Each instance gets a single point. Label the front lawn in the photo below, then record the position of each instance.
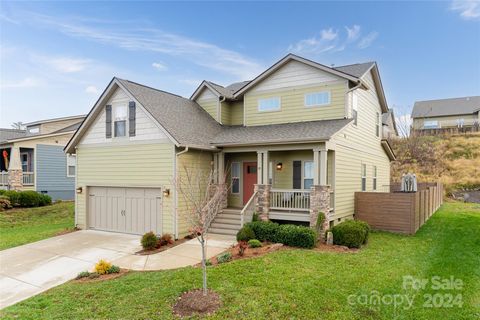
(21, 226)
(300, 284)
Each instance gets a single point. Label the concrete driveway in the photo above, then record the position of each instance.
(30, 269)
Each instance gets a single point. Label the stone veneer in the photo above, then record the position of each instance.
(15, 179)
(262, 204)
(320, 202)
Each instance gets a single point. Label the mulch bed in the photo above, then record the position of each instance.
(144, 252)
(103, 277)
(251, 252)
(195, 303)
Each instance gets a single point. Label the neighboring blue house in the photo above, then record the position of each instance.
(34, 159)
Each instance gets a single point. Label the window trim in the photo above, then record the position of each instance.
(71, 156)
(271, 110)
(232, 177)
(431, 126)
(374, 178)
(329, 95)
(363, 174)
(303, 174)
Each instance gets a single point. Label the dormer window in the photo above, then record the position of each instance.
(34, 130)
(120, 121)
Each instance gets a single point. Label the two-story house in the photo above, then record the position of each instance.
(33, 159)
(299, 139)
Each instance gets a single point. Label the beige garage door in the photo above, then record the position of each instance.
(128, 210)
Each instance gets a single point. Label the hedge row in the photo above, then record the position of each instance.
(288, 234)
(26, 198)
(351, 233)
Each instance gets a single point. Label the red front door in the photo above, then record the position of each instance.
(249, 179)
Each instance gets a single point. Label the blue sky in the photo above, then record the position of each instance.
(56, 58)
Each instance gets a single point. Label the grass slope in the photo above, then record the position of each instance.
(453, 160)
(294, 284)
(21, 226)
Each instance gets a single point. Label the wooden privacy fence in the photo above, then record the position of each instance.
(402, 212)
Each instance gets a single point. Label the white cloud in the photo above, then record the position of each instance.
(66, 64)
(367, 41)
(353, 33)
(317, 44)
(28, 82)
(155, 40)
(159, 66)
(331, 40)
(469, 9)
(92, 90)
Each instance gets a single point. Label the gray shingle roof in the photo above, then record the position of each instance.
(280, 133)
(356, 70)
(446, 107)
(69, 128)
(182, 118)
(229, 90)
(7, 134)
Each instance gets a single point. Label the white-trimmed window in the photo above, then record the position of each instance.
(307, 174)
(235, 179)
(430, 124)
(34, 130)
(355, 108)
(269, 104)
(377, 125)
(120, 121)
(316, 99)
(374, 178)
(364, 177)
(71, 164)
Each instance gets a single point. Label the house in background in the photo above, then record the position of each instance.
(299, 139)
(33, 159)
(453, 115)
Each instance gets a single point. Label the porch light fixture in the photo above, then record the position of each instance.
(79, 190)
(279, 166)
(166, 192)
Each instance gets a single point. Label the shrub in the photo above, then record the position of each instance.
(367, 229)
(245, 234)
(166, 238)
(93, 275)
(254, 243)
(83, 274)
(2, 192)
(320, 221)
(5, 203)
(350, 233)
(29, 198)
(102, 267)
(208, 262)
(224, 257)
(45, 200)
(264, 230)
(255, 217)
(113, 269)
(13, 196)
(149, 241)
(296, 236)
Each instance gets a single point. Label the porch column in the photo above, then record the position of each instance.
(262, 204)
(221, 167)
(320, 202)
(265, 167)
(323, 167)
(15, 173)
(259, 167)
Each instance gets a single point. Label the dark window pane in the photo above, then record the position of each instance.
(235, 185)
(251, 169)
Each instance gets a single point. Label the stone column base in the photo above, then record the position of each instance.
(15, 179)
(262, 204)
(320, 202)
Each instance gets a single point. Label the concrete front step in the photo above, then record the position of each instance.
(227, 221)
(223, 231)
(230, 216)
(232, 211)
(217, 225)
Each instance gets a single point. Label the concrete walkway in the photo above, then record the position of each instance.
(30, 269)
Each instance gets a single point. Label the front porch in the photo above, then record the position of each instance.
(17, 168)
(283, 183)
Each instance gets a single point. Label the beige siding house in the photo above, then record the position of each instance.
(299, 139)
(447, 114)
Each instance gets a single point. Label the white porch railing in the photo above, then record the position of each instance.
(290, 200)
(28, 178)
(4, 178)
(248, 209)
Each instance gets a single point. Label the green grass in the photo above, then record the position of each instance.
(21, 226)
(295, 284)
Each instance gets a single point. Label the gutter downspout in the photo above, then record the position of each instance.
(175, 220)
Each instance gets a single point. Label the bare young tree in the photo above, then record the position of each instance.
(403, 120)
(17, 125)
(203, 199)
